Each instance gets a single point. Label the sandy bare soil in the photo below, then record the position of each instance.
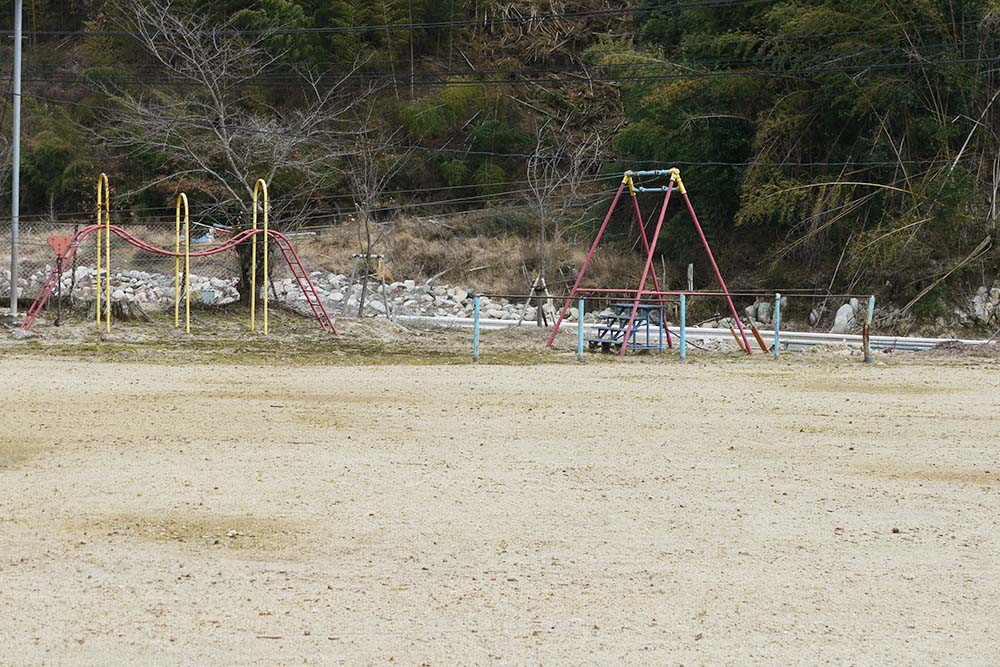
(723, 511)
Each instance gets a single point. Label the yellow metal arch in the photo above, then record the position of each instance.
(182, 198)
(104, 188)
(259, 186)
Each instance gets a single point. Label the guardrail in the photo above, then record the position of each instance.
(789, 339)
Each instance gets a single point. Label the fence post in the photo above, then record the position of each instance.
(579, 330)
(868, 330)
(683, 336)
(663, 324)
(777, 324)
(475, 328)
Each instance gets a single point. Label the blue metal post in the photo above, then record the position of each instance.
(683, 336)
(579, 330)
(663, 313)
(475, 328)
(868, 330)
(777, 324)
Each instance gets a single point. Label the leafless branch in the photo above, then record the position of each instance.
(202, 126)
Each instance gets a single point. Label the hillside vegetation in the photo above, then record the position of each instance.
(843, 145)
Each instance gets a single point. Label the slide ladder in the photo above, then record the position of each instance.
(302, 278)
(50, 283)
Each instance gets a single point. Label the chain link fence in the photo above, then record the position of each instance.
(137, 275)
(143, 281)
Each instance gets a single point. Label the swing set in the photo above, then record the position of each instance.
(66, 248)
(649, 247)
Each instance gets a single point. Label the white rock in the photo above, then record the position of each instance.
(764, 311)
(844, 319)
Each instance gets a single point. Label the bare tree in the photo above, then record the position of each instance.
(208, 131)
(556, 171)
(374, 164)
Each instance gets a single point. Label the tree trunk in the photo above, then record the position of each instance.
(366, 267)
(244, 254)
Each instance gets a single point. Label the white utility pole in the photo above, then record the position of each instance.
(15, 181)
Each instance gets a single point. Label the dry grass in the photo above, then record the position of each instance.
(419, 250)
(484, 253)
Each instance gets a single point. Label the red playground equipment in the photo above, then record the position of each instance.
(67, 247)
(649, 246)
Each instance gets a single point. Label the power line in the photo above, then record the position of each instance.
(339, 214)
(482, 153)
(465, 23)
(387, 193)
(482, 198)
(515, 155)
(764, 40)
(399, 81)
(798, 56)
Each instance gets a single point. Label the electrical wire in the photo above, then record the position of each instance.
(797, 55)
(667, 77)
(497, 154)
(633, 72)
(381, 209)
(76, 216)
(657, 48)
(465, 23)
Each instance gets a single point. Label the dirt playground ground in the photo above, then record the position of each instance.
(214, 510)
